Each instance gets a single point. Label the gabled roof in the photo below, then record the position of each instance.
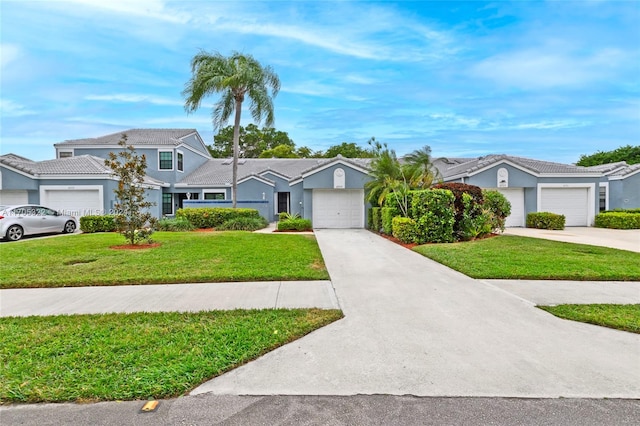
(536, 167)
(81, 165)
(135, 137)
(626, 172)
(218, 171)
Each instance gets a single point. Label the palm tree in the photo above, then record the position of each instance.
(234, 77)
(421, 168)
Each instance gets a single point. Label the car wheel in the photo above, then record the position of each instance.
(69, 227)
(14, 233)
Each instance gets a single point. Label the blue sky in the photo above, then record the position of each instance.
(546, 80)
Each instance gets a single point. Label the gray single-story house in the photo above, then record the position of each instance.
(579, 193)
(330, 192)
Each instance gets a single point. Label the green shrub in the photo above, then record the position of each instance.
(106, 223)
(634, 211)
(434, 214)
(177, 224)
(545, 220)
(399, 201)
(475, 220)
(404, 229)
(464, 212)
(297, 224)
(388, 213)
(618, 220)
(212, 217)
(498, 208)
(370, 218)
(376, 215)
(243, 224)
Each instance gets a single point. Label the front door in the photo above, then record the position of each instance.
(283, 202)
(182, 197)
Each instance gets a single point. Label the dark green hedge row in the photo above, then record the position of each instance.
(618, 220)
(545, 220)
(294, 224)
(212, 217)
(106, 223)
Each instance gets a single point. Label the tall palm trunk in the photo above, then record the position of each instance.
(236, 148)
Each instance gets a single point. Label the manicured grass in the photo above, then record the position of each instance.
(512, 257)
(620, 317)
(86, 259)
(137, 356)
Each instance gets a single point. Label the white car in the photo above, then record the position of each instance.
(28, 219)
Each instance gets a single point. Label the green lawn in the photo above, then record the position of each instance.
(137, 356)
(86, 259)
(621, 317)
(512, 257)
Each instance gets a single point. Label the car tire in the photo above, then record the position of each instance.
(69, 227)
(14, 233)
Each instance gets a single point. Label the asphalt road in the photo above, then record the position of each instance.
(210, 409)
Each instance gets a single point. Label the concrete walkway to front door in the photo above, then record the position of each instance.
(413, 326)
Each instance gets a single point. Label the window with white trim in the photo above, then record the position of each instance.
(167, 203)
(165, 160)
(180, 162)
(214, 195)
(65, 154)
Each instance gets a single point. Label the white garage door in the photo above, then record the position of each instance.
(573, 203)
(8, 198)
(77, 201)
(338, 208)
(516, 197)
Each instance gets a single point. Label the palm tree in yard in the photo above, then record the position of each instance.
(421, 168)
(236, 77)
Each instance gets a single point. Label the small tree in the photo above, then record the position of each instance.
(132, 220)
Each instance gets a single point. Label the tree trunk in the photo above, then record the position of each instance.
(236, 148)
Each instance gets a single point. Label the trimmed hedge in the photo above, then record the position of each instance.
(618, 220)
(433, 211)
(388, 213)
(177, 224)
(545, 220)
(295, 224)
(465, 212)
(90, 224)
(404, 229)
(376, 218)
(243, 224)
(212, 217)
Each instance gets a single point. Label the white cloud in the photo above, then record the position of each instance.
(8, 53)
(135, 98)
(541, 68)
(140, 8)
(13, 109)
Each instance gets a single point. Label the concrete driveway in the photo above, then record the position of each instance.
(623, 239)
(413, 326)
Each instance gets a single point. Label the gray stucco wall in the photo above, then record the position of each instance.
(625, 193)
(489, 178)
(297, 199)
(16, 181)
(354, 179)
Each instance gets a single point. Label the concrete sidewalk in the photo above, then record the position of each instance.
(622, 239)
(167, 297)
(413, 326)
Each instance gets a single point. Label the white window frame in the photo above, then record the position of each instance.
(218, 191)
(172, 160)
(66, 151)
(178, 153)
(606, 198)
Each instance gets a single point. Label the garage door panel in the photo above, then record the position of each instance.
(515, 196)
(573, 203)
(8, 198)
(76, 202)
(338, 208)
